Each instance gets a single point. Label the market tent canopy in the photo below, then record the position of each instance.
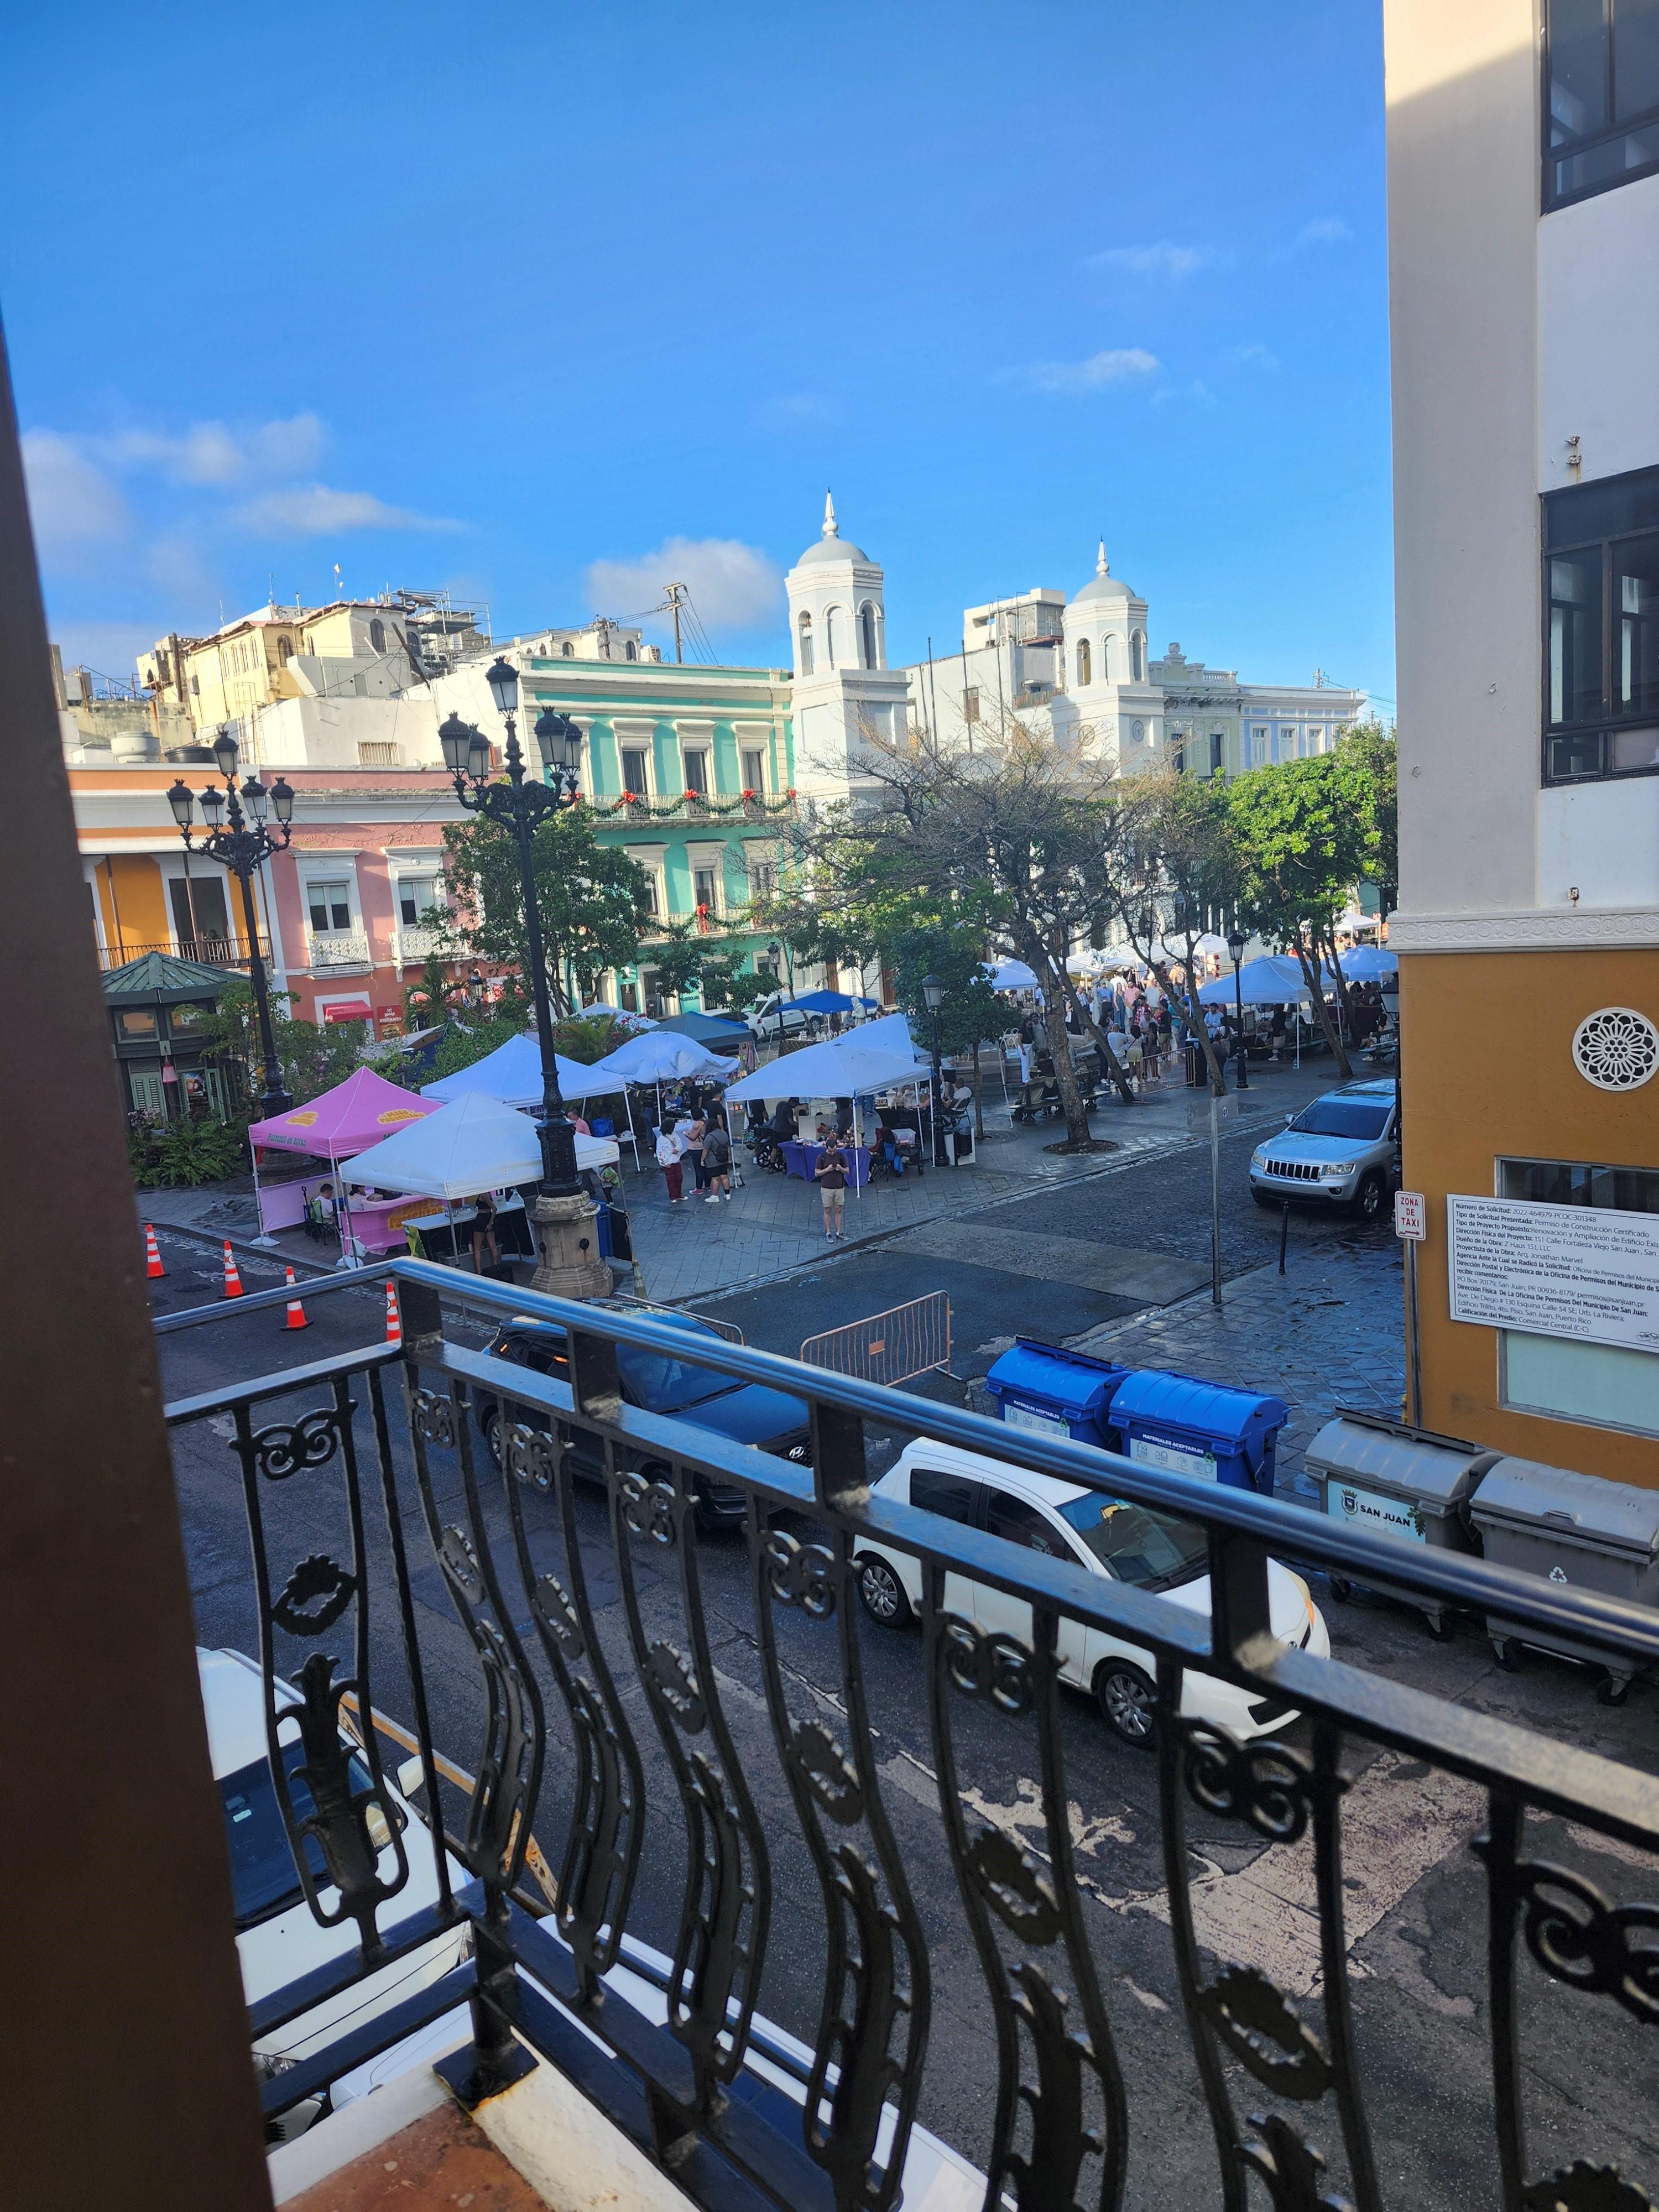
(706, 1028)
(831, 1002)
(360, 1112)
(1275, 980)
(513, 1072)
(890, 1034)
(475, 1144)
(621, 1013)
(1366, 964)
(839, 1069)
(1012, 976)
(658, 1057)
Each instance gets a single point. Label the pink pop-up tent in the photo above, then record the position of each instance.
(363, 1110)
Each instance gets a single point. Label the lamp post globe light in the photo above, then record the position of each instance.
(570, 1262)
(933, 995)
(242, 842)
(1236, 946)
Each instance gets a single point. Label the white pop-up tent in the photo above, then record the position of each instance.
(513, 1074)
(870, 1058)
(474, 1143)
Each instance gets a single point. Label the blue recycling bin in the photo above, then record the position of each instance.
(1055, 1393)
(1188, 1427)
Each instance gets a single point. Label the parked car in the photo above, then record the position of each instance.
(278, 1938)
(739, 1413)
(1342, 1150)
(772, 1020)
(1109, 1536)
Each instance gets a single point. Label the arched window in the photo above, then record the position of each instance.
(867, 633)
(1105, 659)
(632, 654)
(284, 650)
(1084, 663)
(835, 636)
(569, 650)
(806, 644)
(1137, 659)
(377, 636)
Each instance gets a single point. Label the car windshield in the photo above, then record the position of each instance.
(666, 1386)
(264, 1877)
(1342, 1117)
(1152, 1550)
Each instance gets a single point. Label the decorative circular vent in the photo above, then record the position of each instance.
(1617, 1049)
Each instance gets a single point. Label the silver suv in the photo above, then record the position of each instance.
(1342, 1150)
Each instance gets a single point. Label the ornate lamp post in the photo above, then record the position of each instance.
(244, 842)
(563, 1210)
(933, 992)
(1236, 946)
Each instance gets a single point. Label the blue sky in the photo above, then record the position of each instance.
(550, 303)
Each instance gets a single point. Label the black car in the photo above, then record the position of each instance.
(741, 1413)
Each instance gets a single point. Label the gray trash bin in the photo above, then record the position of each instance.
(1375, 1474)
(1574, 1528)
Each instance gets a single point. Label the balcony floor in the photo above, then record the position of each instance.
(443, 2159)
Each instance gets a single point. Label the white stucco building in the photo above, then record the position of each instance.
(843, 690)
(1085, 663)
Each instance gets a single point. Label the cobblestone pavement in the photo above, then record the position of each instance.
(1327, 1332)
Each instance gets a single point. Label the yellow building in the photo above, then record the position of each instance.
(353, 648)
(1523, 216)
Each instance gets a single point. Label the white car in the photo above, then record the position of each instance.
(1112, 1538)
(1341, 1150)
(278, 1938)
(777, 1018)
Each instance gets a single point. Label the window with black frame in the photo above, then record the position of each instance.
(1601, 629)
(1602, 104)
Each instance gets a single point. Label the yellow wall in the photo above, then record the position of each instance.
(142, 898)
(1487, 1071)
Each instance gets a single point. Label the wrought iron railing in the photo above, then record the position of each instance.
(392, 1431)
(211, 951)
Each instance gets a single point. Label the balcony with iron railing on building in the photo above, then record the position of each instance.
(731, 808)
(340, 949)
(211, 951)
(723, 1877)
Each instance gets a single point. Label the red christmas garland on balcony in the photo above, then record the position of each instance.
(692, 807)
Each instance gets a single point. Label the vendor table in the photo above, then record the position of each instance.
(802, 1160)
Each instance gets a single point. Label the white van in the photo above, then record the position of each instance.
(1109, 1536)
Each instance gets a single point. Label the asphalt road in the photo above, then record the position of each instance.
(1415, 1893)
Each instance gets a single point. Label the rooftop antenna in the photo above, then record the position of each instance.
(674, 594)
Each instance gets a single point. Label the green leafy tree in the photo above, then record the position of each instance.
(313, 1056)
(953, 952)
(593, 902)
(1301, 845)
(1180, 869)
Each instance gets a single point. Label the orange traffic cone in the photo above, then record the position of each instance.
(232, 1281)
(296, 1312)
(394, 1326)
(153, 1266)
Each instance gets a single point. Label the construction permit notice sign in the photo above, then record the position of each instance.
(1585, 1272)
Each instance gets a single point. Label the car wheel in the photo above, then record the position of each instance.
(1368, 1200)
(1129, 1701)
(1610, 1690)
(882, 1596)
(489, 1427)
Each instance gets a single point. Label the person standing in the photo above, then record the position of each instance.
(484, 1232)
(717, 1164)
(668, 1159)
(692, 1135)
(831, 1176)
(1027, 1041)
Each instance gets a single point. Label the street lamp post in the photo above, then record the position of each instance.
(1236, 946)
(242, 844)
(519, 804)
(933, 992)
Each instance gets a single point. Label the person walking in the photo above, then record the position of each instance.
(668, 1159)
(831, 1176)
(1027, 1041)
(717, 1164)
(484, 1232)
(691, 1134)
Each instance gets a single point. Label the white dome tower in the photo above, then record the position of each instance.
(843, 691)
(837, 619)
(1108, 676)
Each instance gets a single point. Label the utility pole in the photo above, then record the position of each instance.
(674, 591)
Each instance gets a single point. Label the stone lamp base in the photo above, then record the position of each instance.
(571, 1266)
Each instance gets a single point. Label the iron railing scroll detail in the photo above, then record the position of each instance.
(579, 1611)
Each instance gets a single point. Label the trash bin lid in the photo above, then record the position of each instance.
(1400, 1465)
(1575, 1508)
(1070, 1383)
(1221, 1415)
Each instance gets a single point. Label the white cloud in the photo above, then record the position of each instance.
(732, 587)
(1329, 230)
(1250, 356)
(213, 453)
(1164, 259)
(1119, 365)
(319, 511)
(72, 504)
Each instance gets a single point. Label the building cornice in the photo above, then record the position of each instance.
(1530, 929)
